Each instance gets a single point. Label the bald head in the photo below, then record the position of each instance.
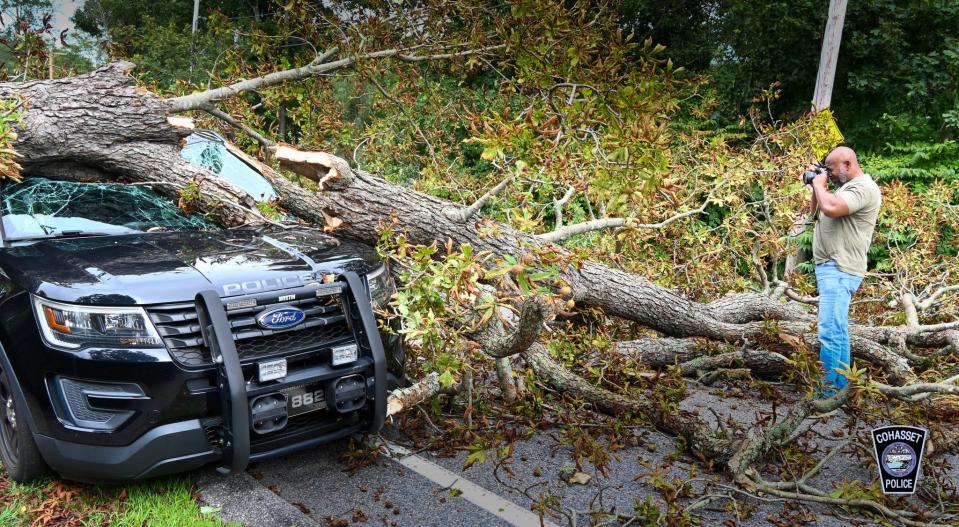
(844, 164)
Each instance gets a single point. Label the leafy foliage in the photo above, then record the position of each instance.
(896, 78)
(29, 47)
(917, 164)
(10, 119)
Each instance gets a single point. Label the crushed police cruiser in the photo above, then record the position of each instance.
(137, 341)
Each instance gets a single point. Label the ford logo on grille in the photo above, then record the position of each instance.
(280, 317)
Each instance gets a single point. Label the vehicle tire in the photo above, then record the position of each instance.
(18, 451)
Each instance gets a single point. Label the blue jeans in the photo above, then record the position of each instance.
(835, 291)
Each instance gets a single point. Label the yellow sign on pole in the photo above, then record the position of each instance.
(824, 134)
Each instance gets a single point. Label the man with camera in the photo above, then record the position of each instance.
(845, 221)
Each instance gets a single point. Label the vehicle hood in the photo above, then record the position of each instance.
(152, 268)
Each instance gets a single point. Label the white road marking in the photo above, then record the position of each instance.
(486, 500)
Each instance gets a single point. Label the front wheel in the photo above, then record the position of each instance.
(18, 451)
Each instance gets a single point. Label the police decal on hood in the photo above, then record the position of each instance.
(268, 284)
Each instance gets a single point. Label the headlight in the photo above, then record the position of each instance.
(76, 326)
(381, 287)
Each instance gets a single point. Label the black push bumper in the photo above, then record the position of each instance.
(236, 393)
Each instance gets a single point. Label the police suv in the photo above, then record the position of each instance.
(137, 341)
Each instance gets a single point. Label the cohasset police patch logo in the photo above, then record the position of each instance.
(899, 457)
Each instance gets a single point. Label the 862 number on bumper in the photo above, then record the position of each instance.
(271, 412)
(305, 399)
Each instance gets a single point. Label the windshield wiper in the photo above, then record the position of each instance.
(64, 234)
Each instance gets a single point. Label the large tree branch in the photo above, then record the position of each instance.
(920, 390)
(368, 200)
(698, 434)
(662, 352)
(533, 312)
(810, 495)
(318, 66)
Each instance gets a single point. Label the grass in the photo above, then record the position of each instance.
(168, 501)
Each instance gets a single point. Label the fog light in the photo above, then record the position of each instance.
(344, 354)
(79, 404)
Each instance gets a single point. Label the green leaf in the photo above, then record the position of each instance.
(492, 152)
(479, 455)
(523, 282)
(541, 275)
(446, 379)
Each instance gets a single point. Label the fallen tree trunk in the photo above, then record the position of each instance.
(100, 127)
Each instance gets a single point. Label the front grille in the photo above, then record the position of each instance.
(325, 325)
(293, 340)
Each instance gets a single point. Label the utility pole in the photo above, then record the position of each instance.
(829, 55)
(821, 100)
(196, 14)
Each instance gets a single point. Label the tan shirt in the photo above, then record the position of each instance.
(846, 240)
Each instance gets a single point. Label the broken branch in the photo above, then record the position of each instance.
(411, 396)
(223, 116)
(331, 172)
(463, 215)
(558, 205)
(563, 233)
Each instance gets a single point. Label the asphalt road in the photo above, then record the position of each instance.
(421, 490)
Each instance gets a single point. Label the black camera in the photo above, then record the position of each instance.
(810, 175)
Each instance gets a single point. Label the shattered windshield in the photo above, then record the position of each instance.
(44, 208)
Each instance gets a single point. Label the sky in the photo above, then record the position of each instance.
(63, 10)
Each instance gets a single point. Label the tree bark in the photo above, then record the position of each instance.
(98, 126)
